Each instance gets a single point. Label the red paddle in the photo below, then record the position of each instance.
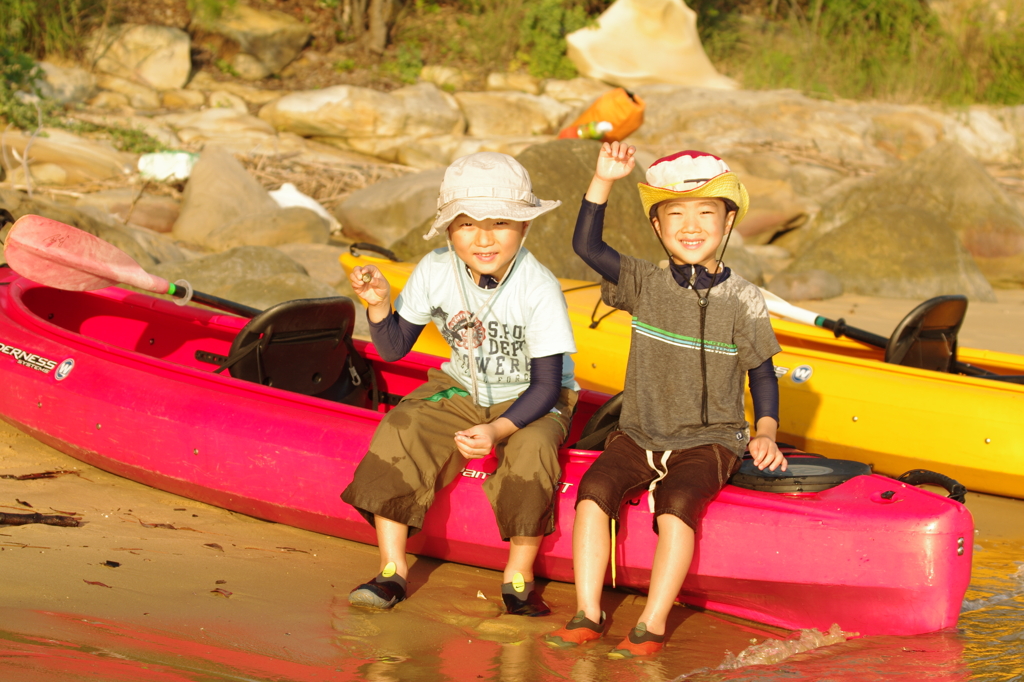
(64, 257)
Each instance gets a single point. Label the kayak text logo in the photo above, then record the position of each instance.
(23, 357)
(64, 369)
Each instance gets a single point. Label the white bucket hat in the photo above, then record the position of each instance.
(487, 185)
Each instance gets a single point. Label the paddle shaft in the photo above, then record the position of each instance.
(215, 302)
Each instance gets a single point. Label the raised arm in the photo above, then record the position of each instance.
(614, 162)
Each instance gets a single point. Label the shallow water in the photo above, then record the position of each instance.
(66, 614)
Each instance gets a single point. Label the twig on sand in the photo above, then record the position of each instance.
(46, 519)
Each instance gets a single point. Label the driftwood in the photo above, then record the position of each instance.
(47, 519)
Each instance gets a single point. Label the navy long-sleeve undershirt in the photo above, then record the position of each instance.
(589, 244)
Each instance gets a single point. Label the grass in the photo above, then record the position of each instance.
(891, 50)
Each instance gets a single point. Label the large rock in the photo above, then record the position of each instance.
(946, 181)
(901, 251)
(82, 160)
(151, 211)
(562, 169)
(639, 42)
(219, 191)
(271, 228)
(492, 114)
(227, 127)
(147, 248)
(256, 276)
(353, 113)
(387, 211)
(272, 37)
(65, 84)
(139, 96)
(155, 56)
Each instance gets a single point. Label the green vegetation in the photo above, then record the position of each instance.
(406, 64)
(894, 50)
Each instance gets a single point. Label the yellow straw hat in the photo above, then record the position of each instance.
(690, 174)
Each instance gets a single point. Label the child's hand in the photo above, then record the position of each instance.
(370, 285)
(615, 161)
(766, 454)
(478, 441)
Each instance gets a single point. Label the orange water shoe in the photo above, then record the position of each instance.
(638, 642)
(579, 630)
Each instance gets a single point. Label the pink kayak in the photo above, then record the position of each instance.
(127, 382)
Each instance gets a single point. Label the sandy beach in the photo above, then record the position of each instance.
(157, 587)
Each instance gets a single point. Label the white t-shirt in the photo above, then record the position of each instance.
(527, 318)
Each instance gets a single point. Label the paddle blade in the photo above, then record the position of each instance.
(64, 257)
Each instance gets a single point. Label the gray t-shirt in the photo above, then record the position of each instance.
(661, 407)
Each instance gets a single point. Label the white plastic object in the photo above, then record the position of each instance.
(289, 195)
(167, 166)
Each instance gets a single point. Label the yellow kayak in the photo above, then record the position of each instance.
(837, 396)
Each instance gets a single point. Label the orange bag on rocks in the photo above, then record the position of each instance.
(620, 109)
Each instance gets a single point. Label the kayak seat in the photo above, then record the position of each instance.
(304, 346)
(926, 338)
(805, 472)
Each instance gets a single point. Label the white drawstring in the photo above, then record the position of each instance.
(661, 475)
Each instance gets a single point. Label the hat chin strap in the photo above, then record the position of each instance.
(473, 315)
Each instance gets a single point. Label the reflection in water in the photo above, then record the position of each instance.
(427, 643)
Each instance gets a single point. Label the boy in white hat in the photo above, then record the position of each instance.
(682, 431)
(508, 386)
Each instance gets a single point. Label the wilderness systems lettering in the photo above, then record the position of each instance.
(24, 357)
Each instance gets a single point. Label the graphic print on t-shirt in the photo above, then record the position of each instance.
(503, 347)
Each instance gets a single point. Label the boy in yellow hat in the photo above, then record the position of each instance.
(698, 328)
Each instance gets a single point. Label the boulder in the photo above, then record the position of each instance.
(270, 228)
(139, 96)
(227, 127)
(256, 276)
(562, 169)
(575, 92)
(321, 261)
(337, 111)
(946, 181)
(219, 191)
(430, 111)
(810, 285)
(744, 263)
(182, 99)
(387, 211)
(65, 84)
(203, 81)
(82, 160)
(516, 82)
(443, 76)
(272, 37)
(639, 42)
(902, 251)
(151, 211)
(157, 57)
(493, 114)
(147, 248)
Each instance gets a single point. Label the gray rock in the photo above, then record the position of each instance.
(744, 263)
(896, 252)
(256, 276)
(810, 285)
(66, 84)
(321, 261)
(273, 37)
(387, 211)
(271, 228)
(219, 191)
(562, 169)
(944, 180)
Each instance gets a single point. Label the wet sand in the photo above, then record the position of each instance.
(157, 587)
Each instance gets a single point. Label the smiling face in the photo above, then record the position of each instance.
(693, 229)
(486, 246)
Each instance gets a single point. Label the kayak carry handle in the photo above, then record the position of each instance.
(956, 490)
(373, 248)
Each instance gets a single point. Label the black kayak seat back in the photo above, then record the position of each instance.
(303, 346)
(802, 475)
(927, 336)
